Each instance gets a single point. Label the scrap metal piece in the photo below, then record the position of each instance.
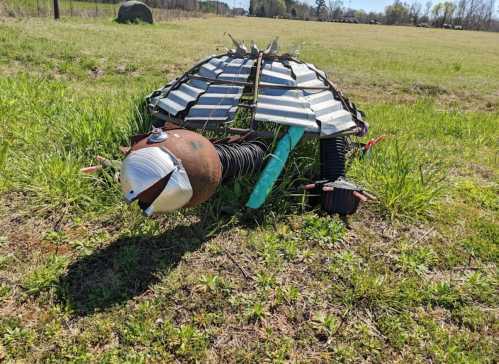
(274, 72)
(179, 99)
(287, 108)
(254, 49)
(143, 168)
(277, 89)
(214, 67)
(273, 47)
(147, 166)
(304, 75)
(337, 122)
(157, 136)
(218, 103)
(328, 111)
(241, 49)
(282, 106)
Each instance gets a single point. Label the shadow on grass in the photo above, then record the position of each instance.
(126, 268)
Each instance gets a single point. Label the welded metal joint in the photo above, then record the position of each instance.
(253, 88)
(157, 136)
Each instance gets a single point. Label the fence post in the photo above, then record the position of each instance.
(57, 14)
(71, 7)
(96, 8)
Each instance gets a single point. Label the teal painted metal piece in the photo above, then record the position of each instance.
(274, 167)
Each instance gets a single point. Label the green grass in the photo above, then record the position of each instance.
(83, 9)
(85, 278)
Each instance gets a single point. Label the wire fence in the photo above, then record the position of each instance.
(89, 8)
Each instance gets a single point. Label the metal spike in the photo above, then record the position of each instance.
(273, 47)
(294, 51)
(241, 49)
(254, 48)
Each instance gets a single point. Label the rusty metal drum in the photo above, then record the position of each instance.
(185, 156)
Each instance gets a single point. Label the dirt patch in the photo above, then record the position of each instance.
(427, 89)
(96, 72)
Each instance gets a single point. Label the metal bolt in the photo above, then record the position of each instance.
(157, 136)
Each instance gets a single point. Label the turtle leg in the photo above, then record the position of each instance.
(274, 167)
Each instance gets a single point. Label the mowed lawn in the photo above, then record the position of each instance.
(86, 278)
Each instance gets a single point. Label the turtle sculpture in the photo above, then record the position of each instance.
(243, 93)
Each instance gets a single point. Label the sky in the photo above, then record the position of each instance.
(368, 5)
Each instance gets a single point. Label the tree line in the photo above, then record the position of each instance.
(281, 8)
(212, 6)
(465, 14)
(468, 14)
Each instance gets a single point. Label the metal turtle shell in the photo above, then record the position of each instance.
(199, 158)
(278, 89)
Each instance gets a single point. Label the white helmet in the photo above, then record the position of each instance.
(157, 173)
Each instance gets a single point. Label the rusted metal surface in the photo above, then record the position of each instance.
(199, 158)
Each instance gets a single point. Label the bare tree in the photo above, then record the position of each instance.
(397, 13)
(475, 14)
(449, 9)
(460, 11)
(427, 10)
(335, 7)
(415, 11)
(320, 8)
(436, 13)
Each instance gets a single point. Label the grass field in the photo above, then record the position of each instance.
(85, 278)
(85, 9)
(66, 8)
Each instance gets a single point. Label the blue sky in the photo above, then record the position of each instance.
(369, 5)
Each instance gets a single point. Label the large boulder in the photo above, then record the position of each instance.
(134, 11)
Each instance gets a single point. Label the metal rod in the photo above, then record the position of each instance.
(368, 195)
(261, 85)
(247, 106)
(255, 94)
(359, 196)
(57, 14)
(158, 115)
